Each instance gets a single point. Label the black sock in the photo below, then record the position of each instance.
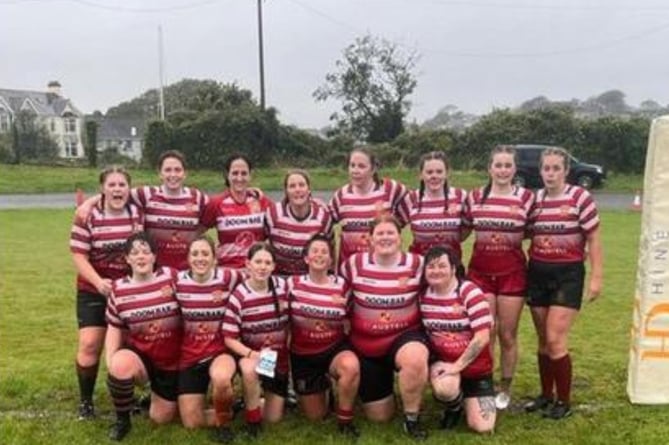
(122, 392)
(87, 375)
(453, 404)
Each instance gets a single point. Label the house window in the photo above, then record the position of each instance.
(5, 121)
(70, 125)
(71, 149)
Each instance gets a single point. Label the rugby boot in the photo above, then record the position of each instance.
(559, 410)
(253, 429)
(539, 403)
(349, 430)
(120, 429)
(224, 434)
(414, 429)
(86, 410)
(450, 418)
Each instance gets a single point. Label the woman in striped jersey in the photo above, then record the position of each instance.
(256, 322)
(563, 221)
(172, 211)
(143, 342)
(96, 243)
(202, 292)
(435, 212)
(238, 213)
(319, 306)
(385, 326)
(365, 198)
(457, 319)
(290, 223)
(498, 213)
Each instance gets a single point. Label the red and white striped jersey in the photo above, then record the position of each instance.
(355, 213)
(499, 223)
(289, 235)
(102, 238)
(239, 225)
(172, 221)
(202, 310)
(559, 225)
(150, 314)
(260, 320)
(451, 321)
(431, 223)
(385, 300)
(318, 313)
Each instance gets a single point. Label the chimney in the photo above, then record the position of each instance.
(53, 87)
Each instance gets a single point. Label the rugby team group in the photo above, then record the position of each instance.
(275, 302)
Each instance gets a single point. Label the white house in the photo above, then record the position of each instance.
(55, 112)
(126, 135)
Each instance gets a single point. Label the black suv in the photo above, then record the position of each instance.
(527, 169)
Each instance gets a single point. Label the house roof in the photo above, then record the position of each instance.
(118, 127)
(44, 104)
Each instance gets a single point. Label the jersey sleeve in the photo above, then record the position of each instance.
(232, 319)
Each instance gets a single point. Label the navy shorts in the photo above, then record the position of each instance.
(555, 284)
(311, 373)
(91, 309)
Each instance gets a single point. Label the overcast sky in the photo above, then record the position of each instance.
(476, 54)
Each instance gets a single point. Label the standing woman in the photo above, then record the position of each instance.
(366, 197)
(457, 320)
(435, 212)
(385, 326)
(290, 224)
(172, 211)
(96, 243)
(563, 221)
(256, 320)
(498, 215)
(238, 214)
(143, 341)
(202, 292)
(319, 307)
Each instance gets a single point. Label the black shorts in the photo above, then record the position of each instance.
(195, 379)
(311, 373)
(91, 309)
(163, 383)
(377, 374)
(551, 284)
(477, 387)
(277, 384)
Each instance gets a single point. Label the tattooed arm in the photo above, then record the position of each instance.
(476, 345)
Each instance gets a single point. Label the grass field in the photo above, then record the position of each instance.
(36, 179)
(38, 394)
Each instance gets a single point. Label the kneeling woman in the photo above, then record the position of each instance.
(255, 324)
(203, 293)
(144, 336)
(319, 304)
(457, 319)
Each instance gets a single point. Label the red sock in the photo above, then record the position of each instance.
(344, 415)
(562, 369)
(546, 375)
(222, 407)
(254, 415)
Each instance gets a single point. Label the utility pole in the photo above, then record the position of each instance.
(161, 106)
(261, 56)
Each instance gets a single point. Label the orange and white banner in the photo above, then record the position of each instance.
(648, 373)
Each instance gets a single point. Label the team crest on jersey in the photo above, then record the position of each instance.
(402, 282)
(217, 296)
(337, 299)
(166, 291)
(136, 227)
(253, 205)
(269, 338)
(244, 239)
(564, 210)
(454, 209)
(385, 316)
(190, 207)
(513, 209)
(378, 207)
(458, 309)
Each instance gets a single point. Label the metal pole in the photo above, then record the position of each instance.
(160, 72)
(261, 56)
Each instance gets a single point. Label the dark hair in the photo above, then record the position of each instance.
(175, 154)
(104, 174)
(453, 258)
(255, 248)
(141, 237)
(207, 239)
(507, 149)
(385, 218)
(374, 162)
(316, 238)
(557, 151)
(228, 163)
(296, 171)
(433, 156)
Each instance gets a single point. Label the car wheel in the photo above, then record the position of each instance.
(585, 181)
(519, 180)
